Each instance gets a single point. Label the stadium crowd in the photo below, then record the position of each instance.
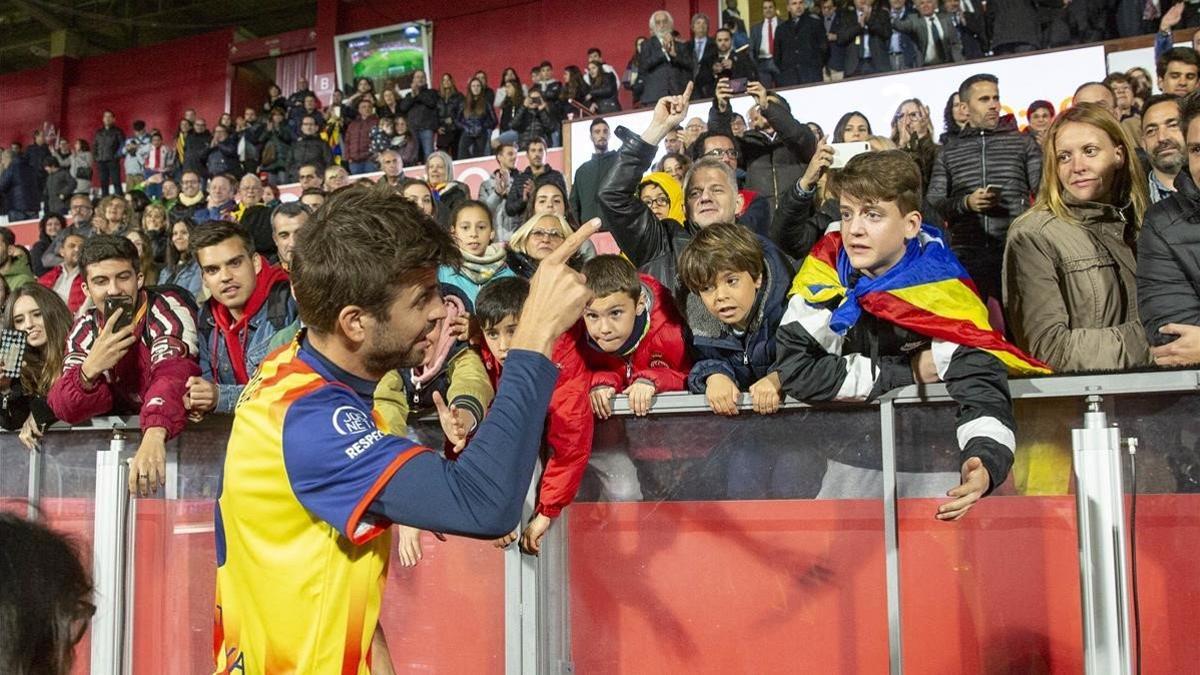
(751, 263)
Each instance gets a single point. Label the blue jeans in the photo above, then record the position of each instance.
(363, 167)
(426, 138)
(14, 215)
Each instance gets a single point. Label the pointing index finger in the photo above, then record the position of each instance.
(573, 242)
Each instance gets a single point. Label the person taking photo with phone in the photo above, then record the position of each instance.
(41, 319)
(132, 352)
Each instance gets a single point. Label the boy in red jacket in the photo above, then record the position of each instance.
(634, 341)
(569, 426)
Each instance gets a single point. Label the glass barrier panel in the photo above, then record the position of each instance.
(14, 474)
(998, 590)
(1164, 522)
(712, 545)
(68, 487)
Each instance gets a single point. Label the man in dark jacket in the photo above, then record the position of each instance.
(800, 47)
(534, 120)
(711, 195)
(106, 148)
(937, 41)
(221, 157)
(902, 49)
(18, 189)
(734, 64)
(35, 156)
(1168, 264)
(775, 150)
(982, 180)
(835, 54)
(1015, 27)
(420, 108)
(309, 149)
(356, 143)
(970, 25)
(865, 32)
(194, 144)
(664, 63)
(525, 182)
(60, 185)
(704, 53)
(587, 178)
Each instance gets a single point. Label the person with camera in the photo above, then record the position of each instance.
(534, 120)
(133, 352)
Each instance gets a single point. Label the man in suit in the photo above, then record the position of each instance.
(902, 49)
(865, 33)
(664, 63)
(730, 63)
(970, 26)
(704, 52)
(835, 54)
(937, 41)
(800, 47)
(762, 44)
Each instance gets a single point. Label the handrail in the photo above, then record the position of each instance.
(676, 403)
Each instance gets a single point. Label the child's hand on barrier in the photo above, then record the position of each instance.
(722, 394)
(531, 539)
(602, 401)
(767, 394)
(641, 397)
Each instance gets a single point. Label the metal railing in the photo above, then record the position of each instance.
(537, 592)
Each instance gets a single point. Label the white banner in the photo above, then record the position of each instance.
(1051, 76)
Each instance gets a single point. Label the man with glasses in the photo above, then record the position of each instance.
(191, 197)
(587, 177)
(81, 214)
(710, 192)
(775, 151)
(310, 176)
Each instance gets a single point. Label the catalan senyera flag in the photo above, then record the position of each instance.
(928, 292)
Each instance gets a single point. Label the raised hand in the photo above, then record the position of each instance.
(557, 295)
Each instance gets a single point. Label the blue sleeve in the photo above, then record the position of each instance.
(1162, 44)
(697, 380)
(227, 397)
(481, 493)
(337, 459)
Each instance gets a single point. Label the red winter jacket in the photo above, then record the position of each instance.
(661, 357)
(75, 297)
(569, 425)
(152, 376)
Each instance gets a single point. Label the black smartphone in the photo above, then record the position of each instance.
(738, 85)
(114, 302)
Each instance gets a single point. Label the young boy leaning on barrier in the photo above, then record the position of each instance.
(881, 302)
(569, 425)
(735, 294)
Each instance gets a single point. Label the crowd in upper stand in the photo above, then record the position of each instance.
(752, 260)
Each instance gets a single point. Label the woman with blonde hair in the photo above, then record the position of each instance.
(1069, 285)
(537, 238)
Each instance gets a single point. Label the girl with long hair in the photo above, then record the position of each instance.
(182, 269)
(43, 317)
(475, 121)
(449, 109)
(145, 248)
(1070, 289)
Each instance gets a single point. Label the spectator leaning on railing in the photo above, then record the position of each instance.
(139, 363)
(1168, 267)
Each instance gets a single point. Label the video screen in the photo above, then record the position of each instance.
(388, 57)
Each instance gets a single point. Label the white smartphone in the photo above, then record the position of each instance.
(844, 152)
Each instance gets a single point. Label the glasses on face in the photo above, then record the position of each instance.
(656, 201)
(722, 152)
(550, 235)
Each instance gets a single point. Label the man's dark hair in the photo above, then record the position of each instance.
(499, 299)
(595, 50)
(215, 232)
(365, 245)
(502, 145)
(9, 238)
(139, 125)
(536, 139)
(156, 134)
(697, 149)
(724, 247)
(545, 64)
(608, 274)
(723, 29)
(1182, 54)
(101, 247)
(597, 122)
(964, 89)
(1165, 98)
(316, 167)
(50, 162)
(1189, 109)
(45, 598)
(312, 191)
(1115, 77)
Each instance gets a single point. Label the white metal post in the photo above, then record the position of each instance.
(34, 490)
(108, 558)
(1103, 578)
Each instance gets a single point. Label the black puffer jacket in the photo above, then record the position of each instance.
(421, 110)
(1168, 263)
(1003, 157)
(653, 245)
(772, 165)
(798, 223)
